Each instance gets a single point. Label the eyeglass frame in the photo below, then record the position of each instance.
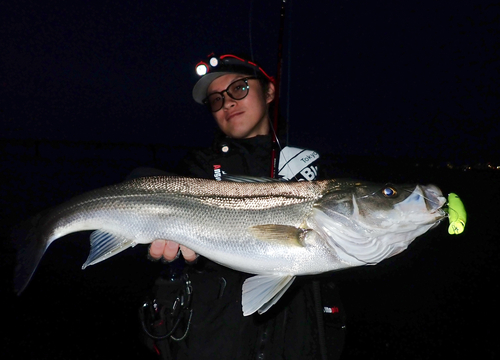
(245, 79)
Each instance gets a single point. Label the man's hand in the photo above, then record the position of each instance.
(169, 249)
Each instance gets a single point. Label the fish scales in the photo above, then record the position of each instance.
(276, 230)
(195, 219)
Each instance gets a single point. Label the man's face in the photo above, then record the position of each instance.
(245, 118)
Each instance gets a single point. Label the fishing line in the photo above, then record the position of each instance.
(275, 135)
(250, 17)
(250, 14)
(274, 124)
(288, 71)
(281, 155)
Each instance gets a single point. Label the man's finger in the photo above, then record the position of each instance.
(188, 254)
(171, 250)
(156, 249)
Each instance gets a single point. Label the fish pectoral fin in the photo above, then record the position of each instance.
(103, 245)
(260, 292)
(283, 233)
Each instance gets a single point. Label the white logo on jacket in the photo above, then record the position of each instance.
(297, 163)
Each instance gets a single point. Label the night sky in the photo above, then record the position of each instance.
(389, 78)
(91, 89)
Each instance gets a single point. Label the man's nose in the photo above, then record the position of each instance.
(229, 102)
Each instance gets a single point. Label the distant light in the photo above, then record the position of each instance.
(201, 69)
(214, 62)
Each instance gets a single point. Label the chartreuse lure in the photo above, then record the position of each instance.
(456, 214)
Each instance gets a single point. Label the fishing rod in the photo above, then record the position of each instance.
(274, 155)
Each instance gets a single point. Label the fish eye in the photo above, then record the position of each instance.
(389, 192)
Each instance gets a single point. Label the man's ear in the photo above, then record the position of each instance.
(270, 93)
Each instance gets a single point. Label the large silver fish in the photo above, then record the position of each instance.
(276, 230)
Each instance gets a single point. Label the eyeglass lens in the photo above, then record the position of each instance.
(236, 90)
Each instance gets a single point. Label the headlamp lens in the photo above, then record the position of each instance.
(201, 69)
(214, 62)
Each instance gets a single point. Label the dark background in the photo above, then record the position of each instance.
(387, 78)
(386, 91)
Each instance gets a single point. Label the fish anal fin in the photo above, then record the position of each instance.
(104, 245)
(260, 292)
(282, 233)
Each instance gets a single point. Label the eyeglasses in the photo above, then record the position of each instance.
(237, 90)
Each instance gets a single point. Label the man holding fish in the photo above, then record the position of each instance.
(248, 295)
(238, 94)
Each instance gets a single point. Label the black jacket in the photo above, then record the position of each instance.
(293, 328)
(250, 157)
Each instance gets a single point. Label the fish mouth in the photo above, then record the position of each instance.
(434, 199)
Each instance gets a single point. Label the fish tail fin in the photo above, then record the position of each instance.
(30, 249)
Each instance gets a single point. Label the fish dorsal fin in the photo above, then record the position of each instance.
(103, 245)
(248, 179)
(260, 292)
(290, 235)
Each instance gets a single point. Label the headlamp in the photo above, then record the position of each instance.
(201, 68)
(230, 63)
(217, 66)
(214, 61)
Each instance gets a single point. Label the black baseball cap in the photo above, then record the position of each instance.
(218, 66)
